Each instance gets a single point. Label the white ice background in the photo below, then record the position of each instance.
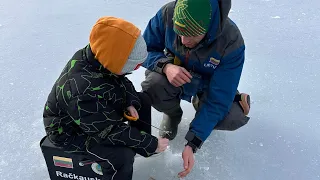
(281, 73)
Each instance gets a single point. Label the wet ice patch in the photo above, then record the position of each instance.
(37, 122)
(204, 168)
(12, 128)
(166, 163)
(3, 163)
(275, 17)
(35, 145)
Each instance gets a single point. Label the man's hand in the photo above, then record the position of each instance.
(188, 161)
(177, 75)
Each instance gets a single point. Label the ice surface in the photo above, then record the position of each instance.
(281, 73)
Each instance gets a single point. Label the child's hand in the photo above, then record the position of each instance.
(133, 112)
(162, 144)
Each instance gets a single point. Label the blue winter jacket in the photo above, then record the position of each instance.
(217, 60)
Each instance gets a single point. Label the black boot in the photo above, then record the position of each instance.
(170, 122)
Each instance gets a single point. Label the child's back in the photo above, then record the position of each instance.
(84, 111)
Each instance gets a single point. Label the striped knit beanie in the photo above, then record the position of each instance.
(192, 17)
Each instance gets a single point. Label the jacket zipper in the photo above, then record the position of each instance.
(187, 58)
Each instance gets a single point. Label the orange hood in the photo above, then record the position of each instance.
(112, 40)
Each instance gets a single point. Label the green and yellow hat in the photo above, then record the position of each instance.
(192, 17)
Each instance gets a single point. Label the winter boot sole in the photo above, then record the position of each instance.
(245, 103)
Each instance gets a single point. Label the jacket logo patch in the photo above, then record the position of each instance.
(213, 63)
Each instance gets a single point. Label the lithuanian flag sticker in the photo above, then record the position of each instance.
(62, 162)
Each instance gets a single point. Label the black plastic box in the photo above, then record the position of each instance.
(62, 165)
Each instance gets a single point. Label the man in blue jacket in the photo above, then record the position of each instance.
(196, 53)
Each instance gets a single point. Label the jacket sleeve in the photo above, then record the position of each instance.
(132, 98)
(222, 89)
(102, 123)
(154, 36)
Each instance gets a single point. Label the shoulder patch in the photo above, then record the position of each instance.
(214, 61)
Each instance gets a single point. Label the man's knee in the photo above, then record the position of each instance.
(163, 95)
(234, 120)
(154, 80)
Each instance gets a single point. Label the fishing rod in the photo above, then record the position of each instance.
(131, 118)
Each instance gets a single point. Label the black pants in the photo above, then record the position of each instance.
(117, 161)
